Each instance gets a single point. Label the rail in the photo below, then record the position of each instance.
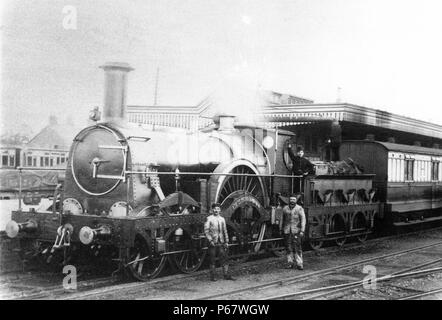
(319, 272)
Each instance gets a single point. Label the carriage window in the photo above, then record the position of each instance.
(30, 161)
(435, 170)
(409, 166)
(5, 160)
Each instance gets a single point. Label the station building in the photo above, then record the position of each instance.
(318, 127)
(10, 156)
(50, 147)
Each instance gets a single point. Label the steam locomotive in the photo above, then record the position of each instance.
(139, 196)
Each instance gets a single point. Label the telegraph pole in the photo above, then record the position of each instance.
(155, 101)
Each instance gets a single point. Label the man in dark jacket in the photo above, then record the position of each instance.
(301, 167)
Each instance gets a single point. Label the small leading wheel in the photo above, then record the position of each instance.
(362, 237)
(316, 244)
(192, 257)
(340, 241)
(238, 249)
(143, 263)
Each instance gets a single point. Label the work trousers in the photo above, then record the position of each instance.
(293, 246)
(298, 185)
(217, 251)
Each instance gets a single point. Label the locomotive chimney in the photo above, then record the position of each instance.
(115, 86)
(225, 122)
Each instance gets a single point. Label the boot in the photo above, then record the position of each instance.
(225, 273)
(212, 273)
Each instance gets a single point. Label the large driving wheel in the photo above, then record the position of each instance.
(189, 244)
(143, 263)
(242, 197)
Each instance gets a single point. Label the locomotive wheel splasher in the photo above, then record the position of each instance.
(244, 181)
(242, 196)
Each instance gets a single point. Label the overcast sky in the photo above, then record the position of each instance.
(383, 54)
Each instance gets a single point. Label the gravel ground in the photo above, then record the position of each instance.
(259, 271)
(271, 269)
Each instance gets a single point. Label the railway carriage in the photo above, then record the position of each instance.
(138, 197)
(408, 179)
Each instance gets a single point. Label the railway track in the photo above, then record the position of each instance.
(278, 284)
(17, 290)
(422, 295)
(330, 291)
(100, 287)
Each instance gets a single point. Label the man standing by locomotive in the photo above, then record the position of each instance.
(293, 227)
(216, 233)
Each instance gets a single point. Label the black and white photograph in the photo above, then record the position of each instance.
(231, 152)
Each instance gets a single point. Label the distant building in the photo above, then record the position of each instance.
(50, 147)
(10, 156)
(276, 98)
(319, 127)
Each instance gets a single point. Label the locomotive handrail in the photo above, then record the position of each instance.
(40, 169)
(210, 174)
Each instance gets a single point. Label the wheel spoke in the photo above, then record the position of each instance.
(182, 258)
(229, 185)
(242, 179)
(136, 258)
(241, 182)
(140, 267)
(250, 184)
